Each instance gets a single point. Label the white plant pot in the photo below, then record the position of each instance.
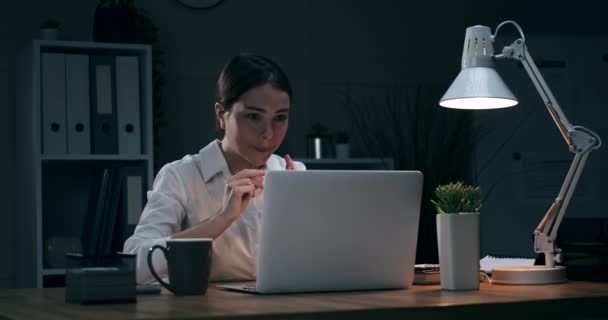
(342, 150)
(458, 244)
(49, 34)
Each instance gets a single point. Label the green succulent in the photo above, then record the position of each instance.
(457, 197)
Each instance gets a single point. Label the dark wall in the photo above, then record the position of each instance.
(321, 44)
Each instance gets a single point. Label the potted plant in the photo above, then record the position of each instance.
(457, 206)
(115, 21)
(49, 29)
(342, 145)
(318, 142)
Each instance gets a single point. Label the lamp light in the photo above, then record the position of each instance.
(478, 86)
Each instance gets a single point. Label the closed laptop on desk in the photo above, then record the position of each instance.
(338, 230)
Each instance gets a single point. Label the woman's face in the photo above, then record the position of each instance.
(256, 124)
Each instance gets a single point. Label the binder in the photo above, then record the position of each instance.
(78, 104)
(133, 197)
(128, 104)
(110, 214)
(54, 138)
(130, 207)
(103, 103)
(94, 216)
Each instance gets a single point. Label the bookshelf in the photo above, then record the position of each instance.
(53, 188)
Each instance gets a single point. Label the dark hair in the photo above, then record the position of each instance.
(246, 71)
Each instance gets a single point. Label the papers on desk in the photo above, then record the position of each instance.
(488, 263)
(426, 274)
(430, 273)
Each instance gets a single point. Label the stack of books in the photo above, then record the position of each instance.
(108, 219)
(426, 274)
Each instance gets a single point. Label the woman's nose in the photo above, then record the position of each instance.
(267, 130)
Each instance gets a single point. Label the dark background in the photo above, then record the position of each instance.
(348, 55)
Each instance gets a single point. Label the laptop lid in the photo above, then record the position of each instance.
(338, 230)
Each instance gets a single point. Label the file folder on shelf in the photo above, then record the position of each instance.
(115, 204)
(103, 112)
(111, 214)
(128, 105)
(54, 139)
(92, 229)
(129, 207)
(133, 197)
(78, 104)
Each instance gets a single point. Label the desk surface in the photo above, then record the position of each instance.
(580, 300)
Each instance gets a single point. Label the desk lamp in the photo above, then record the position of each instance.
(478, 86)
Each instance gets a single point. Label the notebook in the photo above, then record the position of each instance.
(488, 263)
(426, 274)
(337, 230)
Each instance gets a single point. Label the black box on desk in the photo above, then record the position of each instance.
(108, 279)
(584, 244)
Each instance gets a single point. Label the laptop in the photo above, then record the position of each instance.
(333, 230)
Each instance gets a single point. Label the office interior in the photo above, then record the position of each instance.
(374, 70)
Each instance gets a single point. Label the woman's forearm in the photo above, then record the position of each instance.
(209, 228)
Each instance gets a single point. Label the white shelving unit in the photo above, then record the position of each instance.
(53, 189)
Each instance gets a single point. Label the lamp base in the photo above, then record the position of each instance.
(529, 275)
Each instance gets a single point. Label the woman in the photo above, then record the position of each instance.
(217, 193)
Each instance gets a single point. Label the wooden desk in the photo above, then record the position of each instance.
(579, 300)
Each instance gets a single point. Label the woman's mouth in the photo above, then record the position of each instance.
(262, 150)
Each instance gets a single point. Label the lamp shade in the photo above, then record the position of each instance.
(478, 88)
(478, 85)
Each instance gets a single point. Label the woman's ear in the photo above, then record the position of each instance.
(219, 114)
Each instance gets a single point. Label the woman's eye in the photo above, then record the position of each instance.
(281, 117)
(253, 116)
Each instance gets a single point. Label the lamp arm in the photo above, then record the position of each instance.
(518, 50)
(545, 233)
(581, 142)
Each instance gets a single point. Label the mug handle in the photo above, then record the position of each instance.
(165, 252)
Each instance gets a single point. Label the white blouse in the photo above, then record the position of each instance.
(186, 192)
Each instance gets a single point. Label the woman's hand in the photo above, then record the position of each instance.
(240, 188)
(290, 164)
